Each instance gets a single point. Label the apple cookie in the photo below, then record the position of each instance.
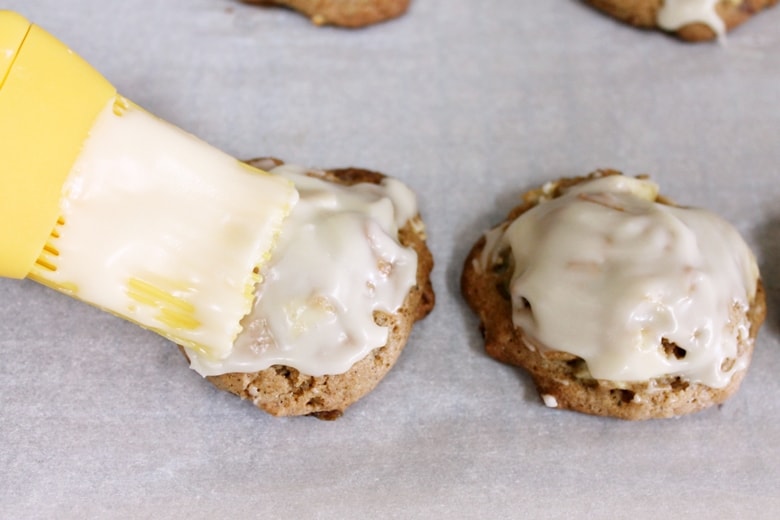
(618, 302)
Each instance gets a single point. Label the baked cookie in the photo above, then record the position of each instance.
(618, 302)
(345, 13)
(691, 20)
(348, 279)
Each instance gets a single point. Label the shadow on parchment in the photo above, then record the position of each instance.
(767, 236)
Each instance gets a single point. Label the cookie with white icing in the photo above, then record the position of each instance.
(344, 13)
(348, 278)
(691, 20)
(616, 301)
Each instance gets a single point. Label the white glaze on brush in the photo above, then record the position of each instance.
(147, 201)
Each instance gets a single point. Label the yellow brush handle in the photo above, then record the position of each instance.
(48, 94)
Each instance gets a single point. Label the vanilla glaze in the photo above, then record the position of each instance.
(607, 274)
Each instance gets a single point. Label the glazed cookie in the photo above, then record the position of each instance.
(691, 20)
(348, 279)
(345, 13)
(618, 302)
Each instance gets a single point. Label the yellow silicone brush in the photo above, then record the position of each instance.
(109, 204)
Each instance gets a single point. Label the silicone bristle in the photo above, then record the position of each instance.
(46, 263)
(47, 260)
(173, 311)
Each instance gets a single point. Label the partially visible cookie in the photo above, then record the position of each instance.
(616, 301)
(691, 20)
(345, 13)
(282, 390)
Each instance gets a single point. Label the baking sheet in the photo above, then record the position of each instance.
(470, 103)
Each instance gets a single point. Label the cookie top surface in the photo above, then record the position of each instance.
(607, 273)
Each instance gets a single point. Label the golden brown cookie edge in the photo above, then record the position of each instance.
(350, 14)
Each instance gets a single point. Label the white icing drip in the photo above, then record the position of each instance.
(675, 14)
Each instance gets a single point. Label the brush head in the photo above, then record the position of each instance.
(109, 204)
(164, 230)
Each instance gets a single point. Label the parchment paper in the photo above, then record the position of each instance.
(470, 103)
